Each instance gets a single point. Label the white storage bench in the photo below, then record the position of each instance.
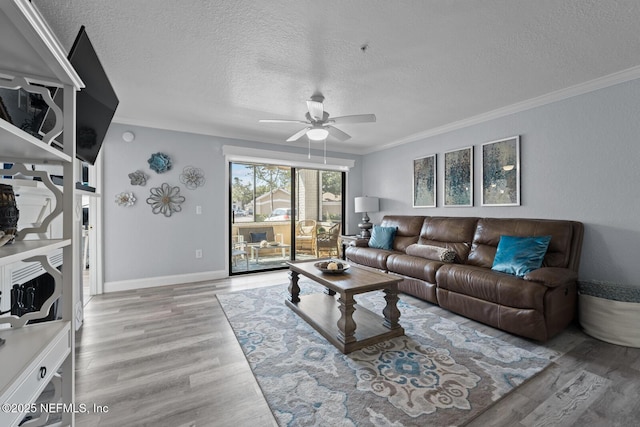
(610, 313)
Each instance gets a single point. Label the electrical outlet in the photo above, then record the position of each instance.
(198, 253)
(198, 210)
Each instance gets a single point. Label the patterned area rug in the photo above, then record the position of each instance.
(439, 373)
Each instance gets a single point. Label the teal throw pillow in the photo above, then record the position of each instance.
(520, 255)
(382, 237)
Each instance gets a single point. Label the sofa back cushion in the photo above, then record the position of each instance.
(561, 251)
(454, 233)
(408, 229)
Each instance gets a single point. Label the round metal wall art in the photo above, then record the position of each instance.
(165, 200)
(192, 177)
(159, 162)
(138, 178)
(125, 199)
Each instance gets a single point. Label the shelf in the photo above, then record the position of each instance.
(27, 186)
(37, 187)
(31, 55)
(22, 356)
(25, 249)
(19, 146)
(85, 190)
(86, 193)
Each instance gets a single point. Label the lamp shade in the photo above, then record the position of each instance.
(317, 134)
(366, 204)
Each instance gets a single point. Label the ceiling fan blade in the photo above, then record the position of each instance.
(282, 121)
(316, 109)
(298, 135)
(337, 133)
(357, 118)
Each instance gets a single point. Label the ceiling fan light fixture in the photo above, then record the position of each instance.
(317, 134)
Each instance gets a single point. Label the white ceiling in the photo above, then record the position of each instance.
(217, 67)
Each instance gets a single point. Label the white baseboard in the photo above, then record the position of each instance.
(150, 282)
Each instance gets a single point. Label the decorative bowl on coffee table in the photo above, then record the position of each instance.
(328, 267)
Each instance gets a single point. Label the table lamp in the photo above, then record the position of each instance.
(364, 205)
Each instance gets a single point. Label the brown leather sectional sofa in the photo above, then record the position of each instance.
(537, 306)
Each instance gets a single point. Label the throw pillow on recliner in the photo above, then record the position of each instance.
(258, 237)
(520, 255)
(382, 237)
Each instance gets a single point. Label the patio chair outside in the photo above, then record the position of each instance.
(328, 242)
(306, 233)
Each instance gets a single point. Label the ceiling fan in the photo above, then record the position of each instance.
(320, 125)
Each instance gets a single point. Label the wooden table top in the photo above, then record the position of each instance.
(354, 280)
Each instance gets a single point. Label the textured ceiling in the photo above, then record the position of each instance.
(217, 67)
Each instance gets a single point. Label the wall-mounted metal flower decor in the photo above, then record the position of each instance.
(159, 162)
(165, 200)
(138, 178)
(125, 199)
(192, 177)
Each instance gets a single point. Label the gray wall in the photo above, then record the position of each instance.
(579, 160)
(141, 245)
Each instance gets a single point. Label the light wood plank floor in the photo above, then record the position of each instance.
(167, 357)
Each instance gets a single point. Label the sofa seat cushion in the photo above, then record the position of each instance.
(488, 285)
(413, 266)
(371, 257)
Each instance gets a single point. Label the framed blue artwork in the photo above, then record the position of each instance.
(458, 177)
(501, 172)
(424, 182)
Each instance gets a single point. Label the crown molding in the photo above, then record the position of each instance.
(549, 98)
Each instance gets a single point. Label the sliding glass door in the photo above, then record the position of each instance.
(319, 207)
(260, 217)
(279, 213)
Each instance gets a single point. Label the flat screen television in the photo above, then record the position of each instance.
(96, 103)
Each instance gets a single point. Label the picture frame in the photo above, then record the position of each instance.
(458, 177)
(424, 182)
(501, 172)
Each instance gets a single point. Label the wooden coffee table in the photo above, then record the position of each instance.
(342, 322)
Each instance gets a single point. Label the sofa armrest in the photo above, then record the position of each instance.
(552, 277)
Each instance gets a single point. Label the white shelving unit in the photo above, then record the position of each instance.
(37, 354)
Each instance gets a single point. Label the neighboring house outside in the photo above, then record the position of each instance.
(265, 204)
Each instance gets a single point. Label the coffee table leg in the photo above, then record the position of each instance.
(294, 289)
(391, 312)
(346, 324)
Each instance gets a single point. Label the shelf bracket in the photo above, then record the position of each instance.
(20, 82)
(46, 180)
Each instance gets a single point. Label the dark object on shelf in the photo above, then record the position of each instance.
(31, 295)
(80, 186)
(24, 110)
(1, 342)
(56, 179)
(9, 214)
